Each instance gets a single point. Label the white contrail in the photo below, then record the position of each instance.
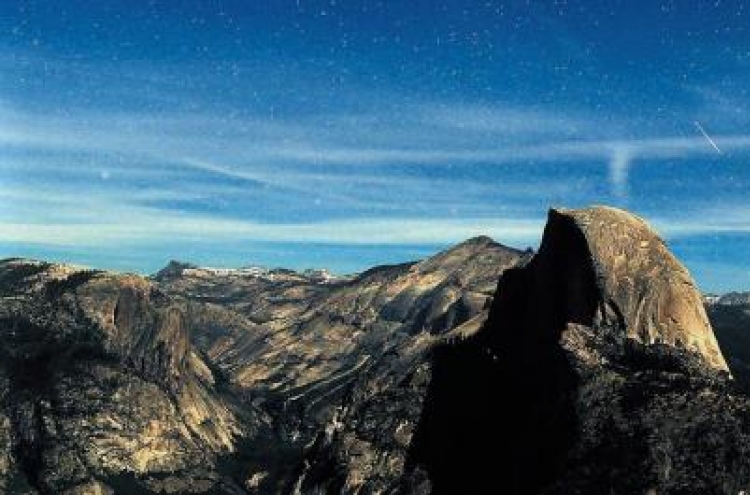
(619, 165)
(705, 134)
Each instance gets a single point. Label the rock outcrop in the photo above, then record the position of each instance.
(638, 280)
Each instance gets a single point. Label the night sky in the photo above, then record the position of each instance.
(344, 134)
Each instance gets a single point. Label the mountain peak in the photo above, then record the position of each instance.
(173, 269)
(480, 240)
(639, 282)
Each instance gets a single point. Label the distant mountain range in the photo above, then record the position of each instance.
(729, 299)
(730, 319)
(588, 367)
(316, 275)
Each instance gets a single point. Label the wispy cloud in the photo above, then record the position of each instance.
(720, 217)
(92, 223)
(262, 144)
(426, 173)
(156, 226)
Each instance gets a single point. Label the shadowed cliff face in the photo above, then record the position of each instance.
(577, 384)
(509, 388)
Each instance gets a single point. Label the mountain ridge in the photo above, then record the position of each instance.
(394, 380)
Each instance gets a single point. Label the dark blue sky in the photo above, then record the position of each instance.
(344, 134)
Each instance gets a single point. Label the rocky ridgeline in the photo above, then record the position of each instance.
(590, 367)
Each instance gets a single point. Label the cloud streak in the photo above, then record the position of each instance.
(268, 150)
(138, 225)
(431, 173)
(155, 226)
